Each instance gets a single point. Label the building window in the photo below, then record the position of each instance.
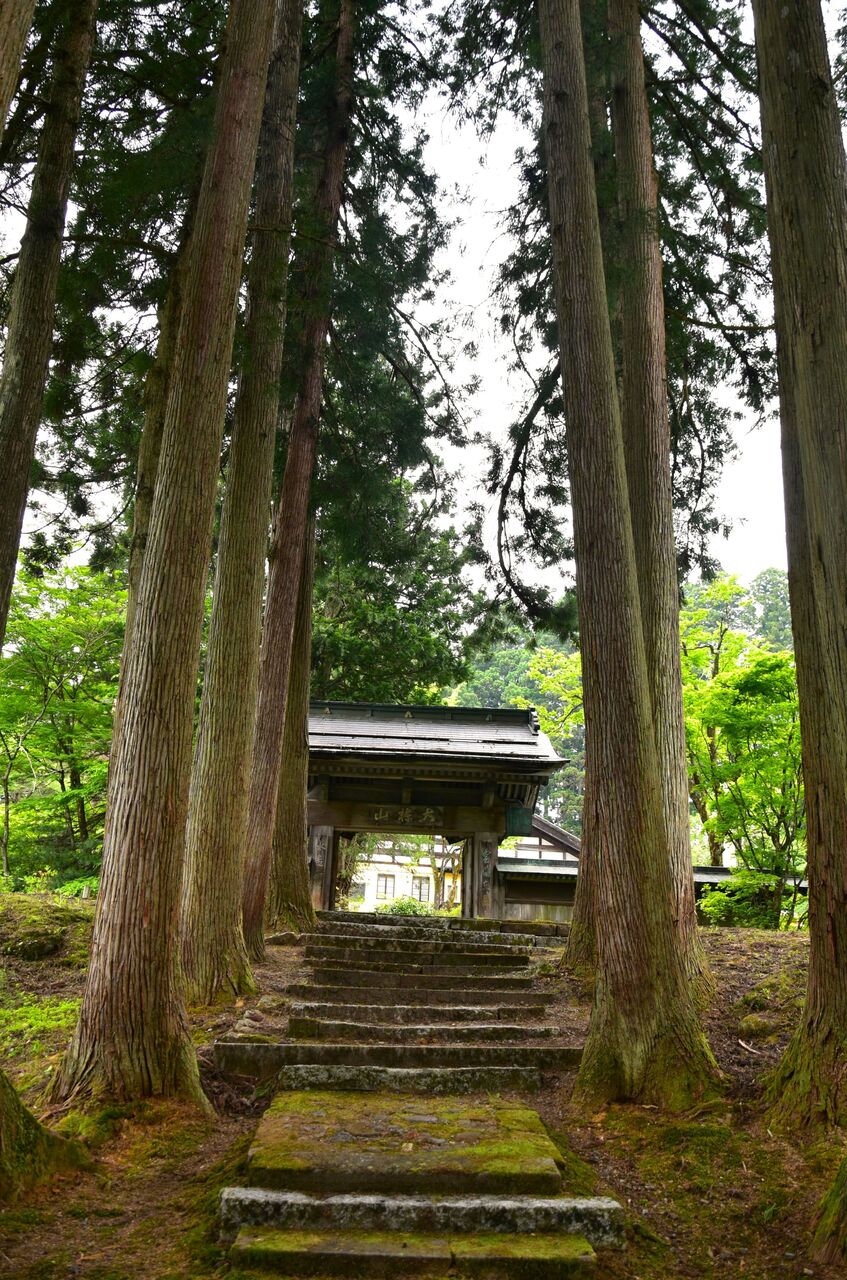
(420, 888)
(385, 886)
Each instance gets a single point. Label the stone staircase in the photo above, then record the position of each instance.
(391, 1149)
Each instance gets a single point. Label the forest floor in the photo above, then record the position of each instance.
(715, 1193)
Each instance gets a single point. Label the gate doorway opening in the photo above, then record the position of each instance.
(468, 774)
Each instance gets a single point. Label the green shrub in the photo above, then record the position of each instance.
(405, 907)
(749, 899)
(74, 888)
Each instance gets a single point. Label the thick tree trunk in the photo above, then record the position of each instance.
(647, 442)
(132, 1039)
(156, 387)
(28, 1151)
(806, 179)
(15, 22)
(581, 951)
(831, 1231)
(214, 956)
(645, 1041)
(290, 899)
(29, 330)
(289, 539)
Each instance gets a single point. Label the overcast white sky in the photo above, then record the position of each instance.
(751, 490)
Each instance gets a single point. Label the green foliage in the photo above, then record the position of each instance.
(76, 888)
(743, 740)
(541, 672)
(58, 680)
(404, 907)
(752, 899)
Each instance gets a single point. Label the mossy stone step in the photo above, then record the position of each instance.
(598, 1218)
(397, 1255)
(307, 1028)
(424, 1011)
(472, 937)
(381, 996)
(295, 1053)
(438, 958)
(331, 1141)
(481, 924)
(432, 1081)
(417, 976)
(413, 946)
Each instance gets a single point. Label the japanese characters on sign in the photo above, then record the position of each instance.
(408, 815)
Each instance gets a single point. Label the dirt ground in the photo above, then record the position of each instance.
(712, 1194)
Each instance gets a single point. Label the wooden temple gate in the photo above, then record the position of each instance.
(468, 774)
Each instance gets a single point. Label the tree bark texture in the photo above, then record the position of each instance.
(156, 387)
(831, 1230)
(290, 898)
(132, 1039)
(806, 181)
(289, 537)
(581, 953)
(28, 1151)
(15, 22)
(647, 443)
(644, 1041)
(214, 956)
(29, 330)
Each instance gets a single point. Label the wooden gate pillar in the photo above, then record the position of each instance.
(321, 866)
(480, 879)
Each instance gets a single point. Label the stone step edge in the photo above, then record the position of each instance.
(336, 1011)
(307, 1028)
(411, 932)
(314, 992)
(377, 1254)
(287, 1052)
(599, 1218)
(486, 924)
(509, 957)
(441, 1081)
(414, 946)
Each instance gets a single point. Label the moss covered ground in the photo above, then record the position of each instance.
(710, 1194)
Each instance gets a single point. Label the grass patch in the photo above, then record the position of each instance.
(34, 1025)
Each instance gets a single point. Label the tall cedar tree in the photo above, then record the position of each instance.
(644, 1041)
(647, 445)
(214, 957)
(289, 898)
(15, 22)
(806, 181)
(291, 522)
(132, 1039)
(29, 327)
(640, 314)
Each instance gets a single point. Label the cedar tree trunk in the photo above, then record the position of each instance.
(806, 180)
(647, 441)
(15, 22)
(289, 538)
(290, 899)
(132, 1039)
(29, 328)
(644, 1041)
(831, 1230)
(214, 956)
(581, 953)
(28, 1151)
